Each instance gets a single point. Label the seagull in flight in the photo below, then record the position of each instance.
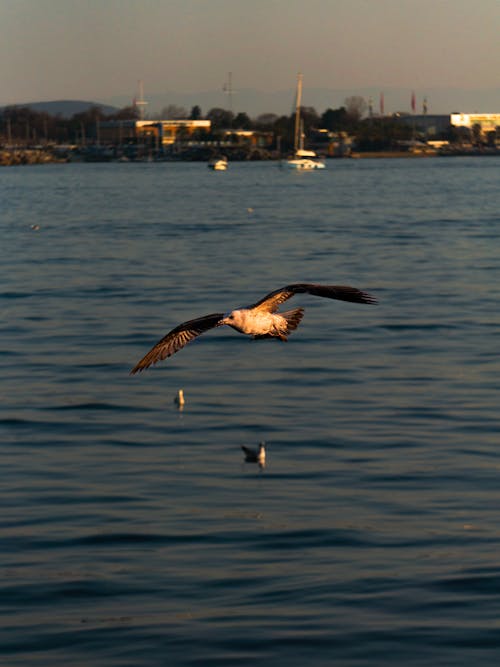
(260, 320)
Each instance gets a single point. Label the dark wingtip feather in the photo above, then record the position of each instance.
(138, 368)
(368, 298)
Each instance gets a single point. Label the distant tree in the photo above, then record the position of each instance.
(477, 134)
(380, 134)
(25, 124)
(309, 117)
(356, 107)
(493, 136)
(242, 121)
(195, 113)
(221, 119)
(91, 115)
(457, 135)
(266, 121)
(20, 123)
(284, 130)
(127, 113)
(335, 120)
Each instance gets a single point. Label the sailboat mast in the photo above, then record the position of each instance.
(296, 138)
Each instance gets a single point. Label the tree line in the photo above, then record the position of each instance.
(21, 124)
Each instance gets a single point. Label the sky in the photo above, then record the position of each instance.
(100, 49)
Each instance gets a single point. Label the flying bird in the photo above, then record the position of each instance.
(260, 320)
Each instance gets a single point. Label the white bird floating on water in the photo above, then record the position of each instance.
(179, 399)
(260, 320)
(253, 456)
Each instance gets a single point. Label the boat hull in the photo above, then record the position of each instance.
(218, 165)
(304, 164)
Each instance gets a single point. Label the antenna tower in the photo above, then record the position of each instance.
(141, 102)
(228, 89)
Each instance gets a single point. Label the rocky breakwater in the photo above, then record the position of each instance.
(10, 157)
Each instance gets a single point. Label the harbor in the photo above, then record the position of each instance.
(304, 139)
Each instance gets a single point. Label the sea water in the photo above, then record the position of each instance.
(133, 534)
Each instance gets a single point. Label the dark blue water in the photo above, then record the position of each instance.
(133, 534)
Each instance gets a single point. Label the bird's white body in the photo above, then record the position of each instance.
(179, 400)
(256, 322)
(261, 456)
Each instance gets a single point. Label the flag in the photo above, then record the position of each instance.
(381, 104)
(413, 103)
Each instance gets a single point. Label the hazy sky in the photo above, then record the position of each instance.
(95, 49)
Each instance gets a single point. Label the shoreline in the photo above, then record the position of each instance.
(39, 156)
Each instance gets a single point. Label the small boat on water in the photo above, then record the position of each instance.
(218, 164)
(302, 160)
(305, 161)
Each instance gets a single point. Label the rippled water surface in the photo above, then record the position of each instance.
(133, 535)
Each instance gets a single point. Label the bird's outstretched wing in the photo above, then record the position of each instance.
(177, 338)
(272, 301)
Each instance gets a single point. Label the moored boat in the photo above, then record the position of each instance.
(305, 161)
(302, 160)
(218, 164)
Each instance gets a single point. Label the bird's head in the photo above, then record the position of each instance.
(233, 319)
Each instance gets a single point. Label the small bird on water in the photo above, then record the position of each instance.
(260, 320)
(179, 399)
(252, 456)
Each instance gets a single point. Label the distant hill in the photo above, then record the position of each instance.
(66, 108)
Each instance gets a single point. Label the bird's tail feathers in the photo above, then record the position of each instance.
(293, 318)
(283, 329)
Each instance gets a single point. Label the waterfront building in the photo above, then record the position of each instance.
(430, 125)
(488, 122)
(160, 133)
(251, 138)
(435, 125)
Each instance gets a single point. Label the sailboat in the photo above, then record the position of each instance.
(303, 160)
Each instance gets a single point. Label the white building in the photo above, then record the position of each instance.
(488, 122)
